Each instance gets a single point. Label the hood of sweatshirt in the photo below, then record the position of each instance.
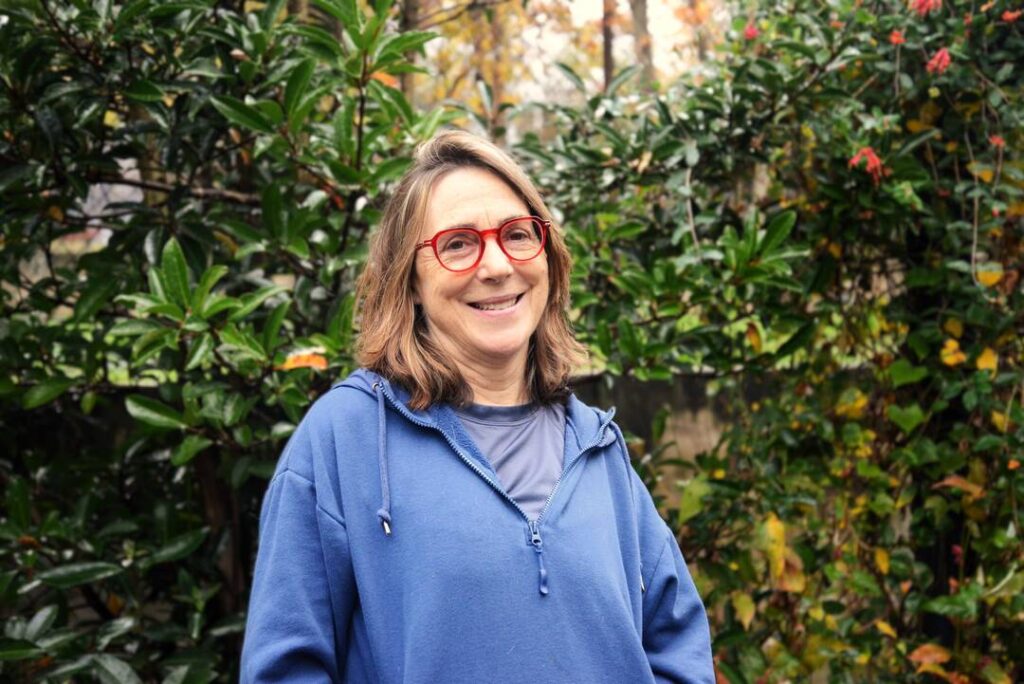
(590, 427)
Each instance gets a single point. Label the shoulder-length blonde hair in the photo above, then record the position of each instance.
(394, 339)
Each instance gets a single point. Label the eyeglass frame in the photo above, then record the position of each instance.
(544, 224)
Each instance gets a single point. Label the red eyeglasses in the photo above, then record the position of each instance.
(460, 249)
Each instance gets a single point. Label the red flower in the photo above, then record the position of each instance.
(896, 38)
(997, 141)
(923, 7)
(751, 32)
(958, 554)
(1010, 17)
(939, 62)
(968, 19)
(874, 165)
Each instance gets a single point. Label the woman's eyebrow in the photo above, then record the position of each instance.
(473, 226)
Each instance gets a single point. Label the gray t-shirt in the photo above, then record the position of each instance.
(524, 444)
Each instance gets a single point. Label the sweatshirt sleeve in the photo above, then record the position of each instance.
(299, 614)
(676, 634)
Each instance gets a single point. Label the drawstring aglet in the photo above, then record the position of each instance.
(387, 527)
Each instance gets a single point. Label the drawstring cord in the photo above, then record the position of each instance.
(384, 512)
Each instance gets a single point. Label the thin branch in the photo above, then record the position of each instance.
(199, 193)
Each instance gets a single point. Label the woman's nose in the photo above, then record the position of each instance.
(494, 263)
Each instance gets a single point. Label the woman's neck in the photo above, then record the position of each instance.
(501, 384)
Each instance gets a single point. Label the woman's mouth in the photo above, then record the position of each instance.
(497, 303)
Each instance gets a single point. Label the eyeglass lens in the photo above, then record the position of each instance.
(460, 249)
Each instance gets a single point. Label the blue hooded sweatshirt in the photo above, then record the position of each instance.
(389, 552)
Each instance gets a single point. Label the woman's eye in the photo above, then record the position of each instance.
(517, 235)
(457, 243)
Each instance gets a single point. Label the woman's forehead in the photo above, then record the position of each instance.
(471, 198)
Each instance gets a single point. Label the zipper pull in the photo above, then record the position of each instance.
(538, 546)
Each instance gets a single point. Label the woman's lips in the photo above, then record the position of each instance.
(496, 303)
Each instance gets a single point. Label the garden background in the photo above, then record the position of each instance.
(809, 209)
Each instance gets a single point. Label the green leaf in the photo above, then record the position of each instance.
(177, 548)
(175, 272)
(902, 372)
(572, 76)
(111, 670)
(620, 79)
(243, 343)
(347, 13)
(252, 300)
(144, 91)
(199, 351)
(133, 326)
(210, 278)
(45, 392)
(691, 499)
(93, 298)
(41, 622)
(298, 82)
(241, 114)
(402, 43)
(113, 629)
(18, 649)
(778, 230)
(67, 576)
(273, 326)
(152, 412)
(188, 449)
(907, 418)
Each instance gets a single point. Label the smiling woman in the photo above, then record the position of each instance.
(452, 513)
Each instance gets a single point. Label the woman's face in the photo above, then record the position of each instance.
(485, 316)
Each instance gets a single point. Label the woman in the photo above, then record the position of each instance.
(452, 513)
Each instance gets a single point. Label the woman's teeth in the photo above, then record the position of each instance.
(497, 306)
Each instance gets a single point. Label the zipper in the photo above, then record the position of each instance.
(534, 525)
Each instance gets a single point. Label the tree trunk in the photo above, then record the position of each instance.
(607, 18)
(407, 22)
(642, 41)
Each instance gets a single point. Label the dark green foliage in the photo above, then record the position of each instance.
(149, 382)
(816, 211)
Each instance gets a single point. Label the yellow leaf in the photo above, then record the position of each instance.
(775, 544)
(951, 354)
(744, 607)
(988, 360)
(917, 126)
(852, 403)
(1015, 210)
(112, 119)
(1000, 421)
(169, 100)
(304, 359)
(55, 212)
(990, 274)
(835, 250)
(886, 629)
(981, 172)
(882, 560)
(929, 654)
(953, 327)
(754, 337)
(793, 579)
